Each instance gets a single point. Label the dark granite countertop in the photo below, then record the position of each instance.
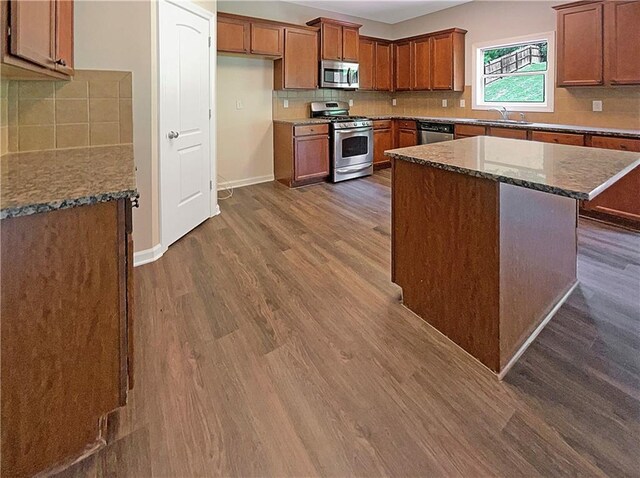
(41, 181)
(560, 128)
(574, 171)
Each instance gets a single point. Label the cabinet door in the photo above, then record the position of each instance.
(622, 42)
(32, 31)
(300, 59)
(311, 157)
(267, 39)
(403, 65)
(580, 46)
(382, 141)
(407, 137)
(350, 44)
(384, 62)
(331, 41)
(233, 35)
(508, 133)
(422, 64)
(367, 64)
(64, 36)
(621, 199)
(442, 62)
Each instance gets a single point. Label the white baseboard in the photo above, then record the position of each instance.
(238, 183)
(148, 255)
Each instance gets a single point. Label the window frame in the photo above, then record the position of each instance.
(477, 58)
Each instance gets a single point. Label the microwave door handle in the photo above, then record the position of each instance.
(349, 76)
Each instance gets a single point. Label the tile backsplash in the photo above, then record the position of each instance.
(573, 106)
(92, 109)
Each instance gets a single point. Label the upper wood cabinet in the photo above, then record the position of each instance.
(37, 38)
(339, 40)
(245, 35)
(434, 61)
(234, 34)
(267, 39)
(598, 43)
(375, 64)
(298, 67)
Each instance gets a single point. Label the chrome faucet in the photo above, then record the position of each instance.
(503, 111)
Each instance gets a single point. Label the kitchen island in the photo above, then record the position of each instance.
(484, 241)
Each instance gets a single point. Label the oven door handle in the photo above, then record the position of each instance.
(362, 129)
(353, 169)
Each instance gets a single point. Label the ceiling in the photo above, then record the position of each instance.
(385, 11)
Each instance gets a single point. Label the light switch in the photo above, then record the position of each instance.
(239, 104)
(394, 102)
(597, 105)
(350, 102)
(444, 103)
(285, 103)
(463, 103)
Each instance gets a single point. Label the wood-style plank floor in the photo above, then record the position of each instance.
(271, 342)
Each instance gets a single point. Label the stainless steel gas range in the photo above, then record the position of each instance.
(351, 140)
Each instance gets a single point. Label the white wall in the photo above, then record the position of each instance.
(484, 21)
(244, 136)
(118, 36)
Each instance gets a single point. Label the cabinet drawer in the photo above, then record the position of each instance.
(311, 129)
(508, 133)
(381, 124)
(406, 124)
(558, 138)
(470, 130)
(610, 142)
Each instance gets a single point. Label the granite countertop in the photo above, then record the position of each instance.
(302, 121)
(41, 181)
(574, 171)
(561, 128)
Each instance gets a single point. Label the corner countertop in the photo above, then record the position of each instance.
(573, 171)
(302, 121)
(41, 181)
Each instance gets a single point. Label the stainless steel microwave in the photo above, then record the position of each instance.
(338, 74)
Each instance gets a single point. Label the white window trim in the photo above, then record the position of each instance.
(477, 59)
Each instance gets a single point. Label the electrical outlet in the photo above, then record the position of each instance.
(444, 103)
(239, 104)
(463, 103)
(350, 102)
(285, 103)
(394, 102)
(597, 105)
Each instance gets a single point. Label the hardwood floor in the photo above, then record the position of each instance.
(271, 342)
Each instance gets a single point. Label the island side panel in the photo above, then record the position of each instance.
(445, 254)
(538, 260)
(60, 334)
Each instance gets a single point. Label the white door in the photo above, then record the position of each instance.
(185, 94)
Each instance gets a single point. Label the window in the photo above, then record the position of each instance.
(517, 73)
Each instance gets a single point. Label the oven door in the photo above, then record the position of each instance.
(338, 74)
(352, 147)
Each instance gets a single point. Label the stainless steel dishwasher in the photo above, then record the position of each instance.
(430, 132)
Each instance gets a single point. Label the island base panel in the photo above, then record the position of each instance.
(482, 262)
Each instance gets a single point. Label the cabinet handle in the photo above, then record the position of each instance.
(61, 62)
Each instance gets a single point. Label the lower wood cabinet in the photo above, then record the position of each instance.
(469, 130)
(621, 202)
(383, 140)
(66, 305)
(507, 133)
(301, 153)
(558, 138)
(406, 133)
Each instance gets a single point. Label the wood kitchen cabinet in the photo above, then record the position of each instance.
(37, 39)
(339, 41)
(66, 343)
(469, 130)
(558, 138)
(598, 43)
(375, 64)
(301, 153)
(245, 35)
(233, 34)
(620, 203)
(383, 140)
(298, 67)
(434, 61)
(406, 133)
(267, 39)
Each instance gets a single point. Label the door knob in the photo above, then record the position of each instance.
(173, 134)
